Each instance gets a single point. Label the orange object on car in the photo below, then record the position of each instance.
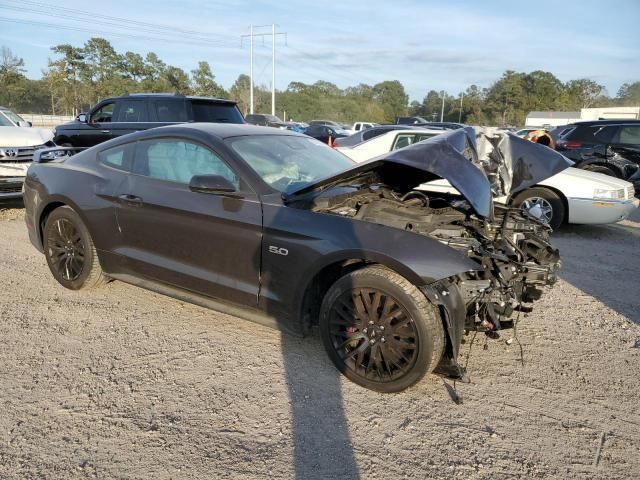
(542, 137)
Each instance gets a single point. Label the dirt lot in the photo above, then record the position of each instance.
(124, 383)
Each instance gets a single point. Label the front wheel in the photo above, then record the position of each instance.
(544, 205)
(70, 252)
(380, 331)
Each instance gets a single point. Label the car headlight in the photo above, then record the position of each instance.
(606, 194)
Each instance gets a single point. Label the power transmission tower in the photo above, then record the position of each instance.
(273, 35)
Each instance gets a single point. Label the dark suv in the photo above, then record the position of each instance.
(130, 113)
(606, 146)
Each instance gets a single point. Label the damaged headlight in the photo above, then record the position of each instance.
(606, 194)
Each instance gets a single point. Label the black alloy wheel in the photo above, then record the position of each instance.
(66, 249)
(379, 330)
(70, 252)
(374, 335)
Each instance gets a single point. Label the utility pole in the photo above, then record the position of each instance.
(460, 115)
(442, 111)
(273, 69)
(273, 62)
(251, 69)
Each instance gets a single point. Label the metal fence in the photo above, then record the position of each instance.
(46, 121)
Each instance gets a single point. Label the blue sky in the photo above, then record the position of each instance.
(425, 44)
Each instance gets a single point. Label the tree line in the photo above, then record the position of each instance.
(78, 77)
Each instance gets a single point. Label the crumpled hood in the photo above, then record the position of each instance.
(24, 137)
(513, 164)
(480, 163)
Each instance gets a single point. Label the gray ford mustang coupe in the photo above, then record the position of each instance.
(278, 228)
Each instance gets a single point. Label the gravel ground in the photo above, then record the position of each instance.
(124, 383)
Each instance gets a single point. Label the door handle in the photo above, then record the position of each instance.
(131, 200)
(106, 131)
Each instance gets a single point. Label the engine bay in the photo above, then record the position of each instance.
(515, 258)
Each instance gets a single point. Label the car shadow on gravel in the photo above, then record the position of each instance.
(321, 441)
(603, 261)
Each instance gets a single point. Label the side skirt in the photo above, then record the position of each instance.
(245, 313)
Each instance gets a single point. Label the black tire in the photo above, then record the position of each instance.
(70, 252)
(548, 197)
(602, 169)
(413, 328)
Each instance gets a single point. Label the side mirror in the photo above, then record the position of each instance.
(211, 184)
(82, 118)
(22, 123)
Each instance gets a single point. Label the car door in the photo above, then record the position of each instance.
(131, 115)
(98, 126)
(206, 243)
(626, 143)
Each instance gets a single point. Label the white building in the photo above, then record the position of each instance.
(614, 113)
(554, 119)
(551, 119)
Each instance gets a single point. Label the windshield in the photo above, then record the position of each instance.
(4, 121)
(288, 163)
(14, 117)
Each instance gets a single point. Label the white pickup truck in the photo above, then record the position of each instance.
(17, 145)
(358, 126)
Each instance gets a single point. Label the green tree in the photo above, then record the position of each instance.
(239, 92)
(583, 93)
(392, 97)
(629, 94)
(203, 82)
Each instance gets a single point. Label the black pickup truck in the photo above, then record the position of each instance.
(131, 113)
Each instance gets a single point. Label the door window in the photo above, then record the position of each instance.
(630, 135)
(104, 114)
(132, 111)
(171, 111)
(403, 140)
(179, 161)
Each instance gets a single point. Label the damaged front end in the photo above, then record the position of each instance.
(515, 260)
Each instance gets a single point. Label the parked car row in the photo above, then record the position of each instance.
(576, 197)
(570, 196)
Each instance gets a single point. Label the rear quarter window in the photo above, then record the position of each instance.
(213, 112)
(629, 135)
(114, 157)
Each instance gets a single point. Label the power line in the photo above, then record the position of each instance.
(73, 17)
(93, 16)
(117, 34)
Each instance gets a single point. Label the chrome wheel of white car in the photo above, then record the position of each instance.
(543, 204)
(538, 208)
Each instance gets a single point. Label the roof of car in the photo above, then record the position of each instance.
(616, 121)
(227, 130)
(173, 95)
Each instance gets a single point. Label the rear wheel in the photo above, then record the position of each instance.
(70, 252)
(544, 205)
(380, 331)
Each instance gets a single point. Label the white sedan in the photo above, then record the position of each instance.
(571, 196)
(387, 142)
